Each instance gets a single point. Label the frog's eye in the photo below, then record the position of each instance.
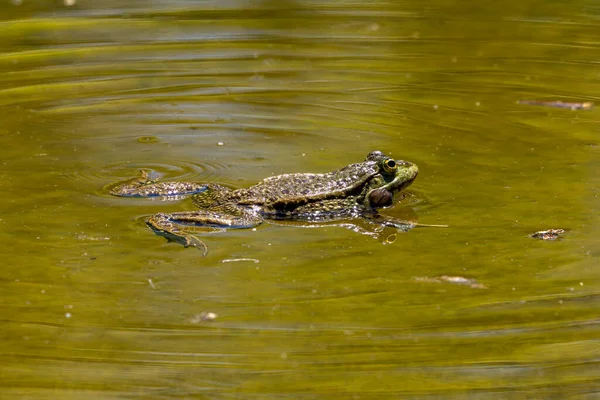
(389, 165)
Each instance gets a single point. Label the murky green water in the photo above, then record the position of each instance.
(94, 305)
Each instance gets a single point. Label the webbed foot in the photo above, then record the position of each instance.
(129, 187)
(193, 241)
(162, 224)
(177, 226)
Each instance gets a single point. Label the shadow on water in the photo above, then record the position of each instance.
(231, 92)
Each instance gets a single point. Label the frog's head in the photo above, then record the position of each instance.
(393, 176)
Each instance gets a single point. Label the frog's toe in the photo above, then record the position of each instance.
(149, 175)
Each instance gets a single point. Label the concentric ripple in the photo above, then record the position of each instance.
(101, 179)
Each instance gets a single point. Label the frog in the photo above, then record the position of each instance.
(355, 191)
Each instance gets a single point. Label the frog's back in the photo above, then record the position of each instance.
(306, 187)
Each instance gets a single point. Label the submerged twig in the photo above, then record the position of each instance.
(571, 105)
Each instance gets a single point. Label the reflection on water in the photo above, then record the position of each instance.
(232, 92)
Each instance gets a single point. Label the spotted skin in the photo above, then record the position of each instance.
(354, 191)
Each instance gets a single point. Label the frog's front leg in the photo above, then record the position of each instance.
(178, 225)
(385, 220)
(145, 186)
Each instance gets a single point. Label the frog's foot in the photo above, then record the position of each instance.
(178, 225)
(384, 220)
(193, 241)
(126, 187)
(162, 224)
(148, 176)
(147, 185)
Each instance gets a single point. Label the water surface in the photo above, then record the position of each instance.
(96, 305)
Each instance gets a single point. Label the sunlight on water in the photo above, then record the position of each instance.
(230, 92)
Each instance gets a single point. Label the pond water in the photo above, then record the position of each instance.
(94, 304)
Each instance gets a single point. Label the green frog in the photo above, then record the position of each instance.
(354, 191)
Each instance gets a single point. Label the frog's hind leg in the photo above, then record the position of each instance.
(147, 186)
(216, 197)
(180, 225)
(163, 224)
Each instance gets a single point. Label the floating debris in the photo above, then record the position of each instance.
(228, 260)
(85, 236)
(586, 105)
(148, 139)
(550, 234)
(457, 280)
(203, 316)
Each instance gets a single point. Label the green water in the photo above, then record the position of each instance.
(94, 305)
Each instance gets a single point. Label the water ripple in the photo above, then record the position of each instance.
(201, 171)
(235, 91)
